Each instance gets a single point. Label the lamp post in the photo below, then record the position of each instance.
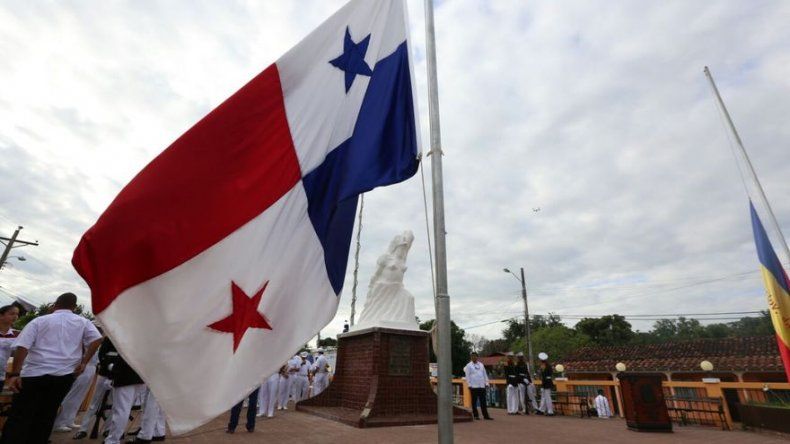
(527, 329)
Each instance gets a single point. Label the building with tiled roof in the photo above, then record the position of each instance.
(733, 359)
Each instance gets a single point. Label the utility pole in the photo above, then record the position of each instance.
(9, 244)
(527, 328)
(526, 321)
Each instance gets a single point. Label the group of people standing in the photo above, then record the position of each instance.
(55, 362)
(300, 378)
(521, 393)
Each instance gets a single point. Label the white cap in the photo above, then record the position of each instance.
(509, 354)
(543, 356)
(303, 354)
(320, 350)
(520, 354)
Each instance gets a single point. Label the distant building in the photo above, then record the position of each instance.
(752, 359)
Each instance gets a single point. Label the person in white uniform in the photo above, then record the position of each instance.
(320, 373)
(512, 379)
(50, 353)
(268, 397)
(302, 378)
(602, 406)
(547, 385)
(8, 315)
(284, 386)
(127, 386)
(152, 427)
(64, 422)
(293, 372)
(107, 356)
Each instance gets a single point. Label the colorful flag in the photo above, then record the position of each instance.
(228, 252)
(777, 287)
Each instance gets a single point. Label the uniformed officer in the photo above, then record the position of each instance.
(547, 384)
(126, 387)
(108, 356)
(152, 427)
(268, 397)
(284, 386)
(524, 381)
(320, 373)
(293, 371)
(512, 379)
(302, 378)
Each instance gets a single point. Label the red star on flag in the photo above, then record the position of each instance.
(245, 315)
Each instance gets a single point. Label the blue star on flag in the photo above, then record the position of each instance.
(352, 61)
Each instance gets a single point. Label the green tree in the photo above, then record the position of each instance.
(677, 329)
(327, 342)
(753, 326)
(606, 330)
(494, 346)
(460, 347)
(557, 341)
(515, 328)
(44, 309)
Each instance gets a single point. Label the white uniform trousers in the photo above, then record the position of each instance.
(532, 393)
(320, 382)
(546, 406)
(522, 398)
(267, 398)
(295, 386)
(73, 400)
(512, 399)
(102, 385)
(284, 390)
(302, 387)
(123, 399)
(153, 423)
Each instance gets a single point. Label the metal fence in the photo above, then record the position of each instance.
(685, 410)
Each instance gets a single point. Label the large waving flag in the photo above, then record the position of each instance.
(228, 251)
(777, 287)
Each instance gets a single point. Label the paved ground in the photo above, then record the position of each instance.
(296, 427)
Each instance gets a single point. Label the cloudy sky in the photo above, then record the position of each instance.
(597, 113)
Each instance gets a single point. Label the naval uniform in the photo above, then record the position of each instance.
(73, 400)
(153, 423)
(293, 373)
(107, 355)
(126, 387)
(512, 379)
(268, 395)
(284, 388)
(547, 384)
(321, 375)
(524, 382)
(302, 381)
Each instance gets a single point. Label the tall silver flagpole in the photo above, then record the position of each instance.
(445, 403)
(356, 260)
(746, 168)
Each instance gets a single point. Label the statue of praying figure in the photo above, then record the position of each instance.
(389, 304)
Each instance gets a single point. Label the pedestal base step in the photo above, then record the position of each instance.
(354, 417)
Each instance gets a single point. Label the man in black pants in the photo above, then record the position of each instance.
(50, 352)
(477, 379)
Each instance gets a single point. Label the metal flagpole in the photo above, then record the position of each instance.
(741, 152)
(444, 358)
(356, 260)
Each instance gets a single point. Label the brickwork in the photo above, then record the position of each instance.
(381, 379)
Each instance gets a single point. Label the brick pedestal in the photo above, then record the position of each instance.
(381, 380)
(643, 402)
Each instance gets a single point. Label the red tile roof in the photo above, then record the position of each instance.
(728, 354)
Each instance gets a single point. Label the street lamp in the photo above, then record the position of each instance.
(526, 315)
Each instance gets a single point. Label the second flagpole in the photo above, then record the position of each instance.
(444, 357)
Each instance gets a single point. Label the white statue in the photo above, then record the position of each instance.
(388, 303)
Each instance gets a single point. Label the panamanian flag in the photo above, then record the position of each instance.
(228, 251)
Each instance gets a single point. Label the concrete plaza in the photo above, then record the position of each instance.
(297, 427)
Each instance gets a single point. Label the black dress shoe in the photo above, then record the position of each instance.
(488, 418)
(80, 435)
(158, 438)
(139, 441)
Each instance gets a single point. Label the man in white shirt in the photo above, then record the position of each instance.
(320, 373)
(50, 352)
(477, 379)
(302, 378)
(602, 405)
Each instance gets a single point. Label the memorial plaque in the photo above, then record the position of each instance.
(400, 356)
